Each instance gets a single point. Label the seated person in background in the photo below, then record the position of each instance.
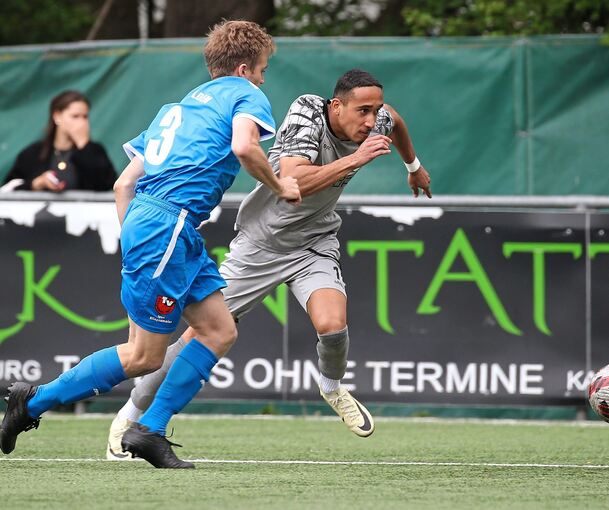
(66, 158)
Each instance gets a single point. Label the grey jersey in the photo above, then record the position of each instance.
(272, 223)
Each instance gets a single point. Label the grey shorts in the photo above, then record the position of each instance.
(251, 273)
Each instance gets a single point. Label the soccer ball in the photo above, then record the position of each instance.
(598, 393)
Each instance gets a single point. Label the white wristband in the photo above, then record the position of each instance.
(414, 166)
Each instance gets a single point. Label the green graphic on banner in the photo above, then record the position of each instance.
(382, 249)
(277, 302)
(539, 272)
(596, 248)
(33, 289)
(460, 246)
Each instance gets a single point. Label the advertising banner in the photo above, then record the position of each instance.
(449, 305)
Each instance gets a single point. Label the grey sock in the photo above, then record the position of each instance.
(332, 349)
(143, 394)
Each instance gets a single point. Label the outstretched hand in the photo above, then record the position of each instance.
(420, 180)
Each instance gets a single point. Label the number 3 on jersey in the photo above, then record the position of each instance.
(158, 149)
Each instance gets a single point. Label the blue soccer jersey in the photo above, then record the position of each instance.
(188, 164)
(186, 150)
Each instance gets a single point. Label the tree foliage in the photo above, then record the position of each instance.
(497, 17)
(440, 17)
(42, 21)
(45, 21)
(325, 18)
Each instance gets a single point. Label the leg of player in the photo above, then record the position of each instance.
(328, 311)
(215, 333)
(97, 373)
(141, 398)
(240, 295)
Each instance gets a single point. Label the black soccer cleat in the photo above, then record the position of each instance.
(16, 419)
(152, 447)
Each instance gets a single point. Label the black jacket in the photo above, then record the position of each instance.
(93, 167)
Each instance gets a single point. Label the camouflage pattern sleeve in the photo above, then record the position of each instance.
(384, 123)
(301, 132)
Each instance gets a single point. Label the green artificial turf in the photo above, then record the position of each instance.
(463, 466)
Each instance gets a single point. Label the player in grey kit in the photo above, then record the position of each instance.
(322, 143)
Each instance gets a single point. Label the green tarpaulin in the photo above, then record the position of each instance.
(488, 116)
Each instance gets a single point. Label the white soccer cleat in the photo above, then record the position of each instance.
(114, 451)
(352, 412)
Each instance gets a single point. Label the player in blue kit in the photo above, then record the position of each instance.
(180, 168)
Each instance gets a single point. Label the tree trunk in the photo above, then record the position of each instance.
(194, 18)
(390, 21)
(120, 22)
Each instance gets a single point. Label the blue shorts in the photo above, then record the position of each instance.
(165, 265)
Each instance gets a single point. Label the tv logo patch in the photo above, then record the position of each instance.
(164, 305)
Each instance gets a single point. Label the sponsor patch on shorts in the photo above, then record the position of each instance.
(164, 305)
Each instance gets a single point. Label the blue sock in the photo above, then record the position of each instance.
(95, 374)
(181, 384)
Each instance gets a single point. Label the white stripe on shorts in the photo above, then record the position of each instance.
(172, 244)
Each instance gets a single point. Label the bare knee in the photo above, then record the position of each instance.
(225, 338)
(231, 335)
(329, 324)
(142, 363)
(219, 339)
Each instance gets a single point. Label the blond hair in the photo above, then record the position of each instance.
(232, 43)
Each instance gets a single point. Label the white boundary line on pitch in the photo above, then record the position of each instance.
(403, 419)
(344, 463)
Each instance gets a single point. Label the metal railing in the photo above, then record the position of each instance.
(572, 202)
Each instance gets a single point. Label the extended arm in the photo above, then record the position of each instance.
(401, 139)
(124, 187)
(313, 178)
(246, 146)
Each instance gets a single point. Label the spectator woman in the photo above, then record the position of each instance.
(65, 158)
